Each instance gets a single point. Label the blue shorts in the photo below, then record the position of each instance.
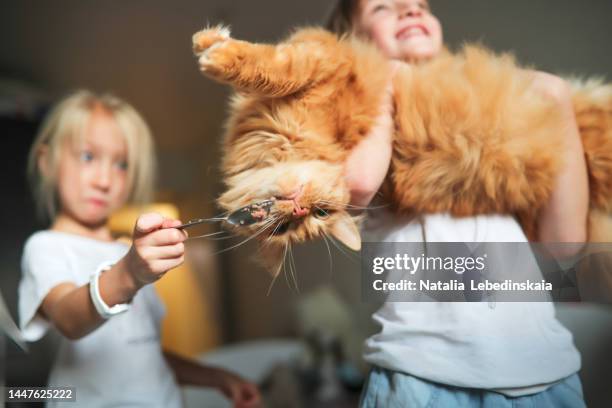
(391, 389)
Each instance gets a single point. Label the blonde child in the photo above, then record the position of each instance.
(93, 155)
(462, 354)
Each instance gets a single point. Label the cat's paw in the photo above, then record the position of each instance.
(206, 40)
(205, 45)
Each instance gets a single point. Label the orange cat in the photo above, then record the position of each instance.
(471, 137)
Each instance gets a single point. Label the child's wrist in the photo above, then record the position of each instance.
(128, 283)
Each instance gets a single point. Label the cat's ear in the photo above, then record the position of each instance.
(272, 257)
(345, 230)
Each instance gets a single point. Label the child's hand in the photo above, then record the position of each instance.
(156, 248)
(242, 393)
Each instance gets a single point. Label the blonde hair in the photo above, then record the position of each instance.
(68, 119)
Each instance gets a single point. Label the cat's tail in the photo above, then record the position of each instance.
(593, 106)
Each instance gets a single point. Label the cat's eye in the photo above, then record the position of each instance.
(321, 213)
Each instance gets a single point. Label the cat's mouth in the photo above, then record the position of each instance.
(281, 228)
(295, 221)
(290, 205)
(286, 223)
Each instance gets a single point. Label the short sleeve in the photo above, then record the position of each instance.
(44, 265)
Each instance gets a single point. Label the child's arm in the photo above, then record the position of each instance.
(187, 372)
(375, 150)
(564, 217)
(156, 249)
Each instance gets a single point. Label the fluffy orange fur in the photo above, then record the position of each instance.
(472, 137)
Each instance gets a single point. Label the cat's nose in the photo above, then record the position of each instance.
(299, 212)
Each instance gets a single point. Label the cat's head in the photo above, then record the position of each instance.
(310, 201)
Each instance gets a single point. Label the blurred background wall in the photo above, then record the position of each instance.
(141, 50)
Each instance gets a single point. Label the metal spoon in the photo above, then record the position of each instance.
(247, 215)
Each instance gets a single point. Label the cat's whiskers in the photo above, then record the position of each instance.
(268, 240)
(279, 220)
(339, 248)
(285, 264)
(329, 256)
(351, 206)
(259, 232)
(213, 234)
(229, 236)
(293, 269)
(276, 276)
(267, 224)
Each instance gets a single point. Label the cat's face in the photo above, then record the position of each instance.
(310, 202)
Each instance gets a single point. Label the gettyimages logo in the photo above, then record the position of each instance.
(412, 264)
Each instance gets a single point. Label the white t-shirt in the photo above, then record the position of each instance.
(515, 348)
(121, 362)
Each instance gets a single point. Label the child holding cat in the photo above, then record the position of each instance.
(421, 355)
(93, 155)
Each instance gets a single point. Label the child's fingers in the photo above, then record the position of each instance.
(170, 223)
(245, 395)
(162, 237)
(250, 396)
(233, 393)
(147, 223)
(161, 266)
(167, 251)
